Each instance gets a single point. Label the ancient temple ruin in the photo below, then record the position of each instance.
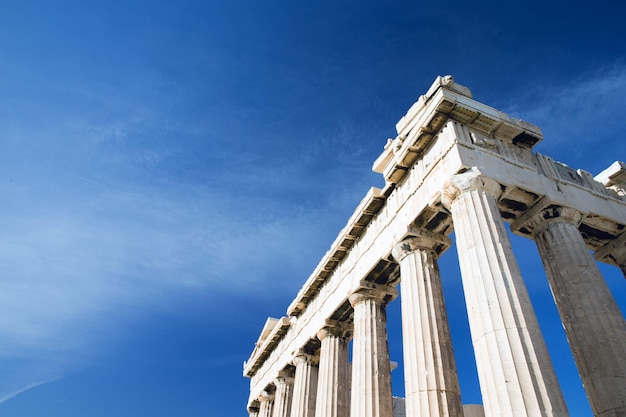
(456, 165)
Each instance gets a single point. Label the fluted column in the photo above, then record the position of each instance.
(514, 369)
(333, 399)
(431, 381)
(305, 385)
(283, 395)
(266, 404)
(371, 371)
(593, 322)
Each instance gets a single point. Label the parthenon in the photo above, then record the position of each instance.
(459, 166)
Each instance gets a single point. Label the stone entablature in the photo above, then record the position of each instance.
(451, 148)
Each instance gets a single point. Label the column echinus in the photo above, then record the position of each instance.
(266, 404)
(333, 399)
(371, 369)
(305, 385)
(515, 372)
(253, 410)
(431, 381)
(593, 322)
(283, 395)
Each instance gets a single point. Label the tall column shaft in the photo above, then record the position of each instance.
(305, 386)
(431, 381)
(266, 405)
(333, 399)
(283, 395)
(514, 369)
(371, 370)
(593, 322)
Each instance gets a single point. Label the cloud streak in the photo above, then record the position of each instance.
(578, 116)
(28, 387)
(81, 257)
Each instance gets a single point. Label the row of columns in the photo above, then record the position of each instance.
(321, 384)
(515, 372)
(514, 369)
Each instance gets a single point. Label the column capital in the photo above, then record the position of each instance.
(418, 238)
(370, 291)
(469, 180)
(265, 396)
(544, 212)
(335, 328)
(284, 377)
(301, 357)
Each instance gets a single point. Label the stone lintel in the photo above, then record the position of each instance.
(423, 121)
(362, 216)
(545, 210)
(440, 82)
(614, 252)
(615, 174)
(269, 343)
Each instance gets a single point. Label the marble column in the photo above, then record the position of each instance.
(305, 385)
(283, 395)
(266, 404)
(514, 369)
(333, 399)
(593, 322)
(431, 381)
(371, 370)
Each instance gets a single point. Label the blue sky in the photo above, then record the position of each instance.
(171, 173)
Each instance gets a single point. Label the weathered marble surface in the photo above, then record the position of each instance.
(443, 136)
(593, 322)
(431, 382)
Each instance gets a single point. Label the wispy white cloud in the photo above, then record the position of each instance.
(87, 246)
(579, 115)
(21, 390)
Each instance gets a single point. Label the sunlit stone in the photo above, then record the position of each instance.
(455, 165)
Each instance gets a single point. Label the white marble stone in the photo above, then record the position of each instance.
(514, 369)
(447, 132)
(333, 395)
(305, 385)
(283, 394)
(473, 410)
(431, 382)
(593, 322)
(266, 404)
(371, 371)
